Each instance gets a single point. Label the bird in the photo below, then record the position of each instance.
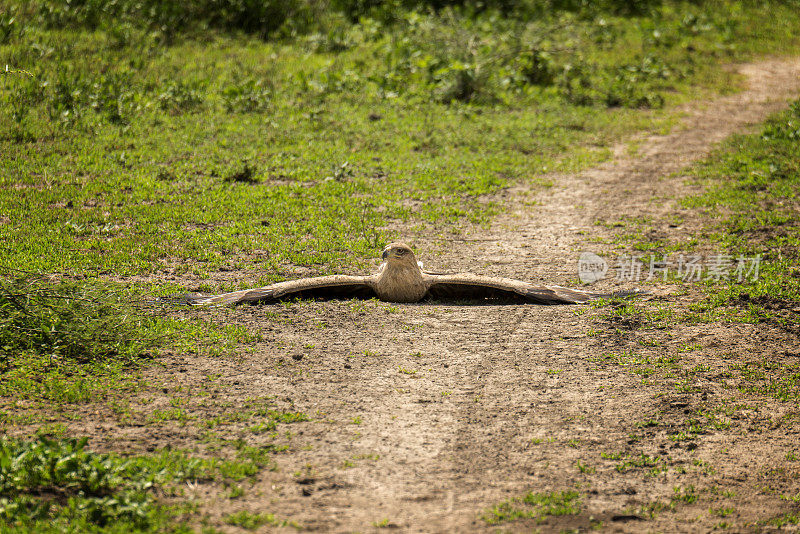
(402, 279)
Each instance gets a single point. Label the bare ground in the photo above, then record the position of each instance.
(423, 417)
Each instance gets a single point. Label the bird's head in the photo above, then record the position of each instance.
(399, 253)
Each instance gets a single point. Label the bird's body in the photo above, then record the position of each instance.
(401, 279)
(400, 283)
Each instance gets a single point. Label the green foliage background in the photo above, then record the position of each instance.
(127, 127)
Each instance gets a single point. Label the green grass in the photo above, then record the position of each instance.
(130, 153)
(750, 211)
(144, 141)
(753, 182)
(251, 521)
(68, 342)
(537, 506)
(60, 486)
(75, 341)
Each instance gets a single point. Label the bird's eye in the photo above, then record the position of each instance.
(401, 252)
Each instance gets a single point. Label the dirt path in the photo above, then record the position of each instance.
(425, 416)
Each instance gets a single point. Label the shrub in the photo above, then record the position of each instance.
(248, 96)
(259, 17)
(634, 85)
(180, 97)
(70, 321)
(112, 96)
(47, 479)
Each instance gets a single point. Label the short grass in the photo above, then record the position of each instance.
(535, 506)
(67, 342)
(127, 152)
(748, 208)
(752, 185)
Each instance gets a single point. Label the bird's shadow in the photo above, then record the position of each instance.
(426, 302)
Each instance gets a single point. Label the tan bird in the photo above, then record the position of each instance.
(400, 278)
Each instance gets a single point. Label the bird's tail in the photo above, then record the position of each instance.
(181, 299)
(565, 295)
(224, 299)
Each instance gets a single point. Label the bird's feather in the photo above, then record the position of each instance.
(469, 286)
(336, 286)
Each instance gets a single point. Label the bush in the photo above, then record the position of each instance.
(519, 9)
(248, 96)
(258, 17)
(634, 85)
(69, 321)
(180, 97)
(87, 488)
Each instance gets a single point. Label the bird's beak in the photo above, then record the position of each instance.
(385, 254)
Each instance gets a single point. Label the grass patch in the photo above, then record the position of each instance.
(51, 485)
(753, 183)
(135, 144)
(537, 506)
(68, 341)
(251, 521)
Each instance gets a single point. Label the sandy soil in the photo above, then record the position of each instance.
(428, 415)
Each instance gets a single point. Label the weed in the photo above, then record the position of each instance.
(51, 484)
(536, 506)
(248, 96)
(181, 97)
(247, 174)
(583, 468)
(723, 511)
(653, 464)
(687, 495)
(251, 521)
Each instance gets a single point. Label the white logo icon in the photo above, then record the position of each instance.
(591, 267)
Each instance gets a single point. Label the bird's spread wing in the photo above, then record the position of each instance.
(327, 287)
(469, 286)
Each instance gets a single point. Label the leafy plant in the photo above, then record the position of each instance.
(535, 506)
(181, 97)
(249, 96)
(61, 481)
